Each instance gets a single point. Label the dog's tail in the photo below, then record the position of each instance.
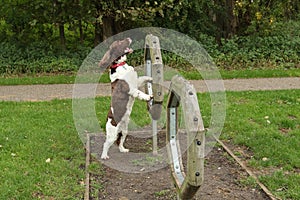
(119, 138)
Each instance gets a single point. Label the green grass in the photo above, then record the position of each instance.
(266, 122)
(283, 184)
(191, 75)
(259, 73)
(263, 73)
(31, 134)
(46, 79)
(37, 79)
(42, 156)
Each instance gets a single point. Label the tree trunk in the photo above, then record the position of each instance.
(97, 37)
(220, 25)
(226, 21)
(107, 27)
(81, 36)
(59, 20)
(62, 35)
(231, 23)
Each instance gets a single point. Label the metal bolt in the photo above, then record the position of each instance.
(191, 93)
(159, 93)
(195, 119)
(198, 142)
(197, 173)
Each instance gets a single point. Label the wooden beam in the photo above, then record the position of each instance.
(182, 92)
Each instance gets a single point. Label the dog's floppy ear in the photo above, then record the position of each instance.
(111, 55)
(116, 49)
(106, 60)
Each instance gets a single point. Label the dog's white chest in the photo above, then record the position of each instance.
(121, 72)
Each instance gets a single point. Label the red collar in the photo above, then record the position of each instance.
(114, 66)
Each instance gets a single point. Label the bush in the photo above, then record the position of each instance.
(259, 52)
(39, 58)
(279, 48)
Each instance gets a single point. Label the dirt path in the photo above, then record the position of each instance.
(223, 179)
(65, 91)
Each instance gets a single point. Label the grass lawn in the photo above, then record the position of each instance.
(43, 158)
(41, 154)
(37, 79)
(268, 125)
(70, 78)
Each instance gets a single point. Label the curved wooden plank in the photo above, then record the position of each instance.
(182, 92)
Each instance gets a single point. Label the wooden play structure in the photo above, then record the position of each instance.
(154, 68)
(181, 92)
(187, 184)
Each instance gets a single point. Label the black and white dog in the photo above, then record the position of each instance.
(124, 86)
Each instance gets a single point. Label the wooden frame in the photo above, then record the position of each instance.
(154, 68)
(182, 92)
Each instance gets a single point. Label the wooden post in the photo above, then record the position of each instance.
(154, 68)
(153, 53)
(181, 91)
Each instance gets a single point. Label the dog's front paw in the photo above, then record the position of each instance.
(149, 97)
(149, 79)
(145, 97)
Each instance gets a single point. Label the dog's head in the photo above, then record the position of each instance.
(117, 49)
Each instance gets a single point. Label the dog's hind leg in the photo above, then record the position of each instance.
(121, 145)
(111, 137)
(123, 137)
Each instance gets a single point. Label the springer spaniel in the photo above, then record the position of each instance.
(124, 87)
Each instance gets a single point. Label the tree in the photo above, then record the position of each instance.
(57, 20)
(15, 15)
(117, 15)
(256, 15)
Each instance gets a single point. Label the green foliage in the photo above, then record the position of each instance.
(262, 15)
(277, 49)
(266, 36)
(38, 58)
(258, 52)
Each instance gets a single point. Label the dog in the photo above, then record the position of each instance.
(124, 86)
